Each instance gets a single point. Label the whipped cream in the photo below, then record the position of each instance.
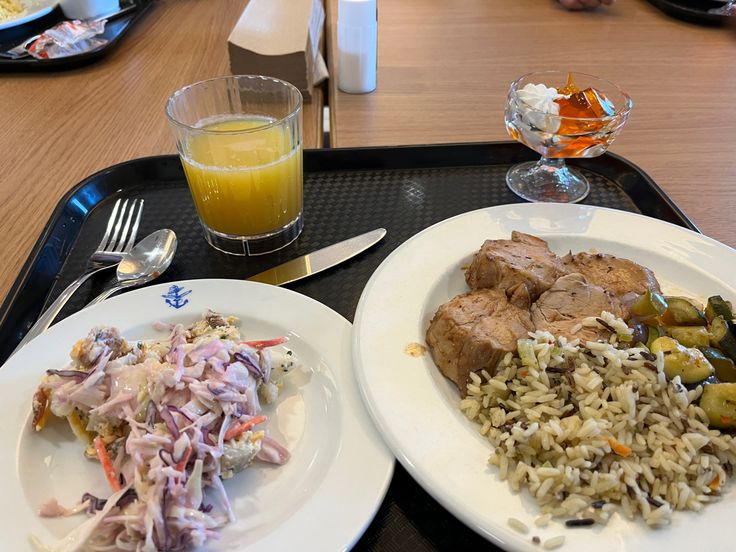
(535, 102)
(540, 98)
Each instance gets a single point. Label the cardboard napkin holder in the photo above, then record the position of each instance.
(281, 39)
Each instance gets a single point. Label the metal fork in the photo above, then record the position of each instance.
(122, 228)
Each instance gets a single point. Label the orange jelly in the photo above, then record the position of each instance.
(582, 104)
(588, 103)
(570, 86)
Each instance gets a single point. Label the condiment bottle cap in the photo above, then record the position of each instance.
(356, 12)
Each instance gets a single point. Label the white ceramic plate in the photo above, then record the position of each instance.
(33, 10)
(416, 408)
(321, 500)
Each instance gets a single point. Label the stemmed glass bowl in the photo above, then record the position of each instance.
(558, 137)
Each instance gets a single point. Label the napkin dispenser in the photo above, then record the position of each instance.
(280, 38)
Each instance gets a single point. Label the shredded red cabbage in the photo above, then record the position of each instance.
(168, 419)
(180, 411)
(215, 390)
(151, 412)
(128, 497)
(76, 374)
(95, 503)
(167, 462)
(252, 367)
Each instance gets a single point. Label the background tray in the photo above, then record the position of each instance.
(347, 192)
(115, 30)
(695, 11)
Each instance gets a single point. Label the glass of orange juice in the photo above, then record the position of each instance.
(240, 142)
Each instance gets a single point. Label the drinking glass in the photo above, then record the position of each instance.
(557, 137)
(240, 142)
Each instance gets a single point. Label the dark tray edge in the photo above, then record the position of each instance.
(67, 209)
(72, 62)
(24, 273)
(659, 191)
(690, 15)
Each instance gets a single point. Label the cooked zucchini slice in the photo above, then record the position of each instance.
(723, 336)
(724, 366)
(654, 333)
(690, 364)
(718, 330)
(717, 306)
(682, 312)
(719, 403)
(649, 304)
(689, 336)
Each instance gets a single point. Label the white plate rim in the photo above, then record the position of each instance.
(43, 7)
(497, 532)
(334, 347)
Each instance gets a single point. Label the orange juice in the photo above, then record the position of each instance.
(245, 180)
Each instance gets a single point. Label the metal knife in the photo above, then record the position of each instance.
(319, 260)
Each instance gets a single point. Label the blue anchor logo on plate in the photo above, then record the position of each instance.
(175, 297)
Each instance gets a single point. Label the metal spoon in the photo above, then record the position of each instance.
(147, 260)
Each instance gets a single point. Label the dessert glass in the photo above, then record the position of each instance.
(557, 136)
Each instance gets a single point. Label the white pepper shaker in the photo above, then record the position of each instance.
(357, 40)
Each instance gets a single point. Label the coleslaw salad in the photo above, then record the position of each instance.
(168, 420)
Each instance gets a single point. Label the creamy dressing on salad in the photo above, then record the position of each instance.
(167, 419)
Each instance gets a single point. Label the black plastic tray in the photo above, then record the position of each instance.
(115, 30)
(694, 11)
(347, 192)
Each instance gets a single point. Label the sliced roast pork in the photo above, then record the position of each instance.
(562, 308)
(622, 277)
(523, 267)
(474, 331)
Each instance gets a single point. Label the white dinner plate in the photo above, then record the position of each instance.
(416, 408)
(322, 499)
(33, 10)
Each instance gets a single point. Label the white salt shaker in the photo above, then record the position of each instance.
(357, 40)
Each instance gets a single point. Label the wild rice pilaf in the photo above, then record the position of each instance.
(596, 427)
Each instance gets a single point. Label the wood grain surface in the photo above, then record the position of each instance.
(58, 128)
(445, 67)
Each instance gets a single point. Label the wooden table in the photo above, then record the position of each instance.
(445, 67)
(58, 128)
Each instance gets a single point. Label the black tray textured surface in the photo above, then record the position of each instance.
(115, 30)
(402, 201)
(347, 192)
(694, 11)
